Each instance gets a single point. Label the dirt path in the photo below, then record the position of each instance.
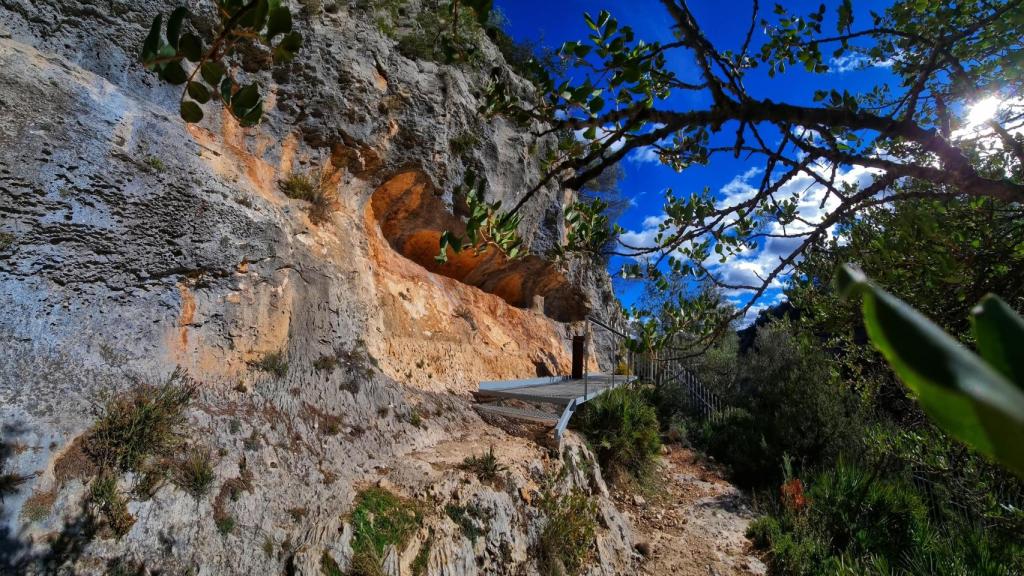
(697, 526)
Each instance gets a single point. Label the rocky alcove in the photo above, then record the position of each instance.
(412, 218)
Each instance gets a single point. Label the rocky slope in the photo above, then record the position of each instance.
(133, 244)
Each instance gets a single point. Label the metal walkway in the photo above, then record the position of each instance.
(557, 391)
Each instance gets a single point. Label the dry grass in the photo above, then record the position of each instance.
(39, 504)
(193, 471)
(315, 188)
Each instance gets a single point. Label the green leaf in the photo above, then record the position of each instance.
(225, 89)
(198, 92)
(999, 332)
(256, 17)
(191, 112)
(173, 73)
(152, 42)
(280, 22)
(245, 98)
(288, 47)
(212, 72)
(191, 47)
(957, 389)
(174, 23)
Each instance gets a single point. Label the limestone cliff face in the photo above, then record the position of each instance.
(134, 244)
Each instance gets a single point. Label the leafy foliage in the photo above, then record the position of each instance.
(913, 134)
(976, 399)
(588, 230)
(167, 51)
(487, 225)
(623, 429)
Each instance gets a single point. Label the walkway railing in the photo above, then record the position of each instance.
(667, 373)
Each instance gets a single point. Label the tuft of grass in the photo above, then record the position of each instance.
(193, 472)
(380, 520)
(225, 525)
(268, 547)
(416, 417)
(463, 143)
(486, 466)
(156, 164)
(234, 425)
(37, 507)
(566, 542)
(6, 240)
(326, 363)
(110, 505)
(140, 423)
(10, 482)
(315, 189)
(272, 363)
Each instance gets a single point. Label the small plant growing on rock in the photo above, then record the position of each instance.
(243, 24)
(142, 422)
(567, 540)
(156, 164)
(272, 363)
(471, 519)
(6, 240)
(193, 472)
(380, 520)
(315, 189)
(110, 505)
(486, 466)
(225, 525)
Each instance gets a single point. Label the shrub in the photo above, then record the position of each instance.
(140, 423)
(380, 520)
(623, 429)
(272, 363)
(486, 466)
(567, 539)
(862, 514)
(193, 472)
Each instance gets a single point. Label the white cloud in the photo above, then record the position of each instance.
(856, 61)
(602, 133)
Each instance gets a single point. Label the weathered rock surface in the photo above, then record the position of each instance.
(137, 244)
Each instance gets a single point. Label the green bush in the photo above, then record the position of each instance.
(380, 519)
(623, 429)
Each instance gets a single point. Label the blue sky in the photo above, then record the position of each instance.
(725, 23)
